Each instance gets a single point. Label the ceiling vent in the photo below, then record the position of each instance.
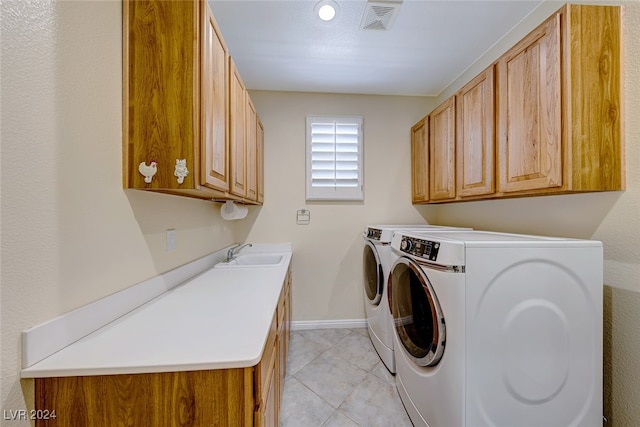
(380, 15)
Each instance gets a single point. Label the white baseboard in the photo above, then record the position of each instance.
(298, 325)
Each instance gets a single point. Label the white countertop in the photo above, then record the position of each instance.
(219, 319)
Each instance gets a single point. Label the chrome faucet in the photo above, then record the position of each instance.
(233, 252)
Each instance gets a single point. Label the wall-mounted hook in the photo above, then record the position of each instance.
(181, 170)
(148, 171)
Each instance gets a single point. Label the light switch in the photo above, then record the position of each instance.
(171, 240)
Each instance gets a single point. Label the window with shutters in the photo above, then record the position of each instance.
(334, 158)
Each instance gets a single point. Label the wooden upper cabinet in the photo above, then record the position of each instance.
(442, 152)
(475, 137)
(215, 105)
(238, 145)
(558, 117)
(420, 161)
(184, 128)
(251, 122)
(529, 118)
(560, 103)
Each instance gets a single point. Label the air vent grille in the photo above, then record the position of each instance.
(380, 15)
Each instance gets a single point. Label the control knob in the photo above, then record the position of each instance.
(406, 245)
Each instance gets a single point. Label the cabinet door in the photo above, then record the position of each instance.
(160, 125)
(475, 115)
(252, 150)
(529, 112)
(215, 104)
(269, 413)
(267, 410)
(283, 340)
(442, 152)
(238, 139)
(260, 152)
(420, 162)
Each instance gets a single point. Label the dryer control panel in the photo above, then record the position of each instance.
(421, 248)
(374, 233)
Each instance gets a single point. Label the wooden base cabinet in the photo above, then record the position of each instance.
(240, 397)
(546, 118)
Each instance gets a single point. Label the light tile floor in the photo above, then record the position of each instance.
(336, 379)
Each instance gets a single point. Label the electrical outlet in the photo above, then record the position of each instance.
(171, 240)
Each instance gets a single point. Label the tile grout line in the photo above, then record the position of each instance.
(320, 397)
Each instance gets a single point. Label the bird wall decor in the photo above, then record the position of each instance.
(148, 171)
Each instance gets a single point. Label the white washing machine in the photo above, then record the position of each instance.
(495, 329)
(376, 263)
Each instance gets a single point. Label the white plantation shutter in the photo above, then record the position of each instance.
(334, 158)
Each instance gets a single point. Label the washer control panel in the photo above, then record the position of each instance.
(374, 233)
(426, 249)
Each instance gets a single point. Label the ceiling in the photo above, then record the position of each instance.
(283, 45)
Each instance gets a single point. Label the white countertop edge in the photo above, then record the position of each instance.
(142, 369)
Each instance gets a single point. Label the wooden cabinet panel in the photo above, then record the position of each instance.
(529, 118)
(263, 369)
(267, 415)
(267, 400)
(284, 334)
(420, 161)
(475, 138)
(197, 398)
(238, 145)
(260, 154)
(161, 102)
(252, 150)
(442, 151)
(215, 104)
(594, 97)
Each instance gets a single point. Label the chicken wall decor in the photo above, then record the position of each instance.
(148, 171)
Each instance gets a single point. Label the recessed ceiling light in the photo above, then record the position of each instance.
(326, 9)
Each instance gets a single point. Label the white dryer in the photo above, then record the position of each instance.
(377, 259)
(495, 329)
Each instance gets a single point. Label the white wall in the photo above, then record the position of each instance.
(328, 252)
(70, 234)
(611, 217)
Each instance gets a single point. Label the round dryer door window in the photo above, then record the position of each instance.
(373, 276)
(417, 315)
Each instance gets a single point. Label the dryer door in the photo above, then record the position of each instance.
(417, 316)
(373, 275)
